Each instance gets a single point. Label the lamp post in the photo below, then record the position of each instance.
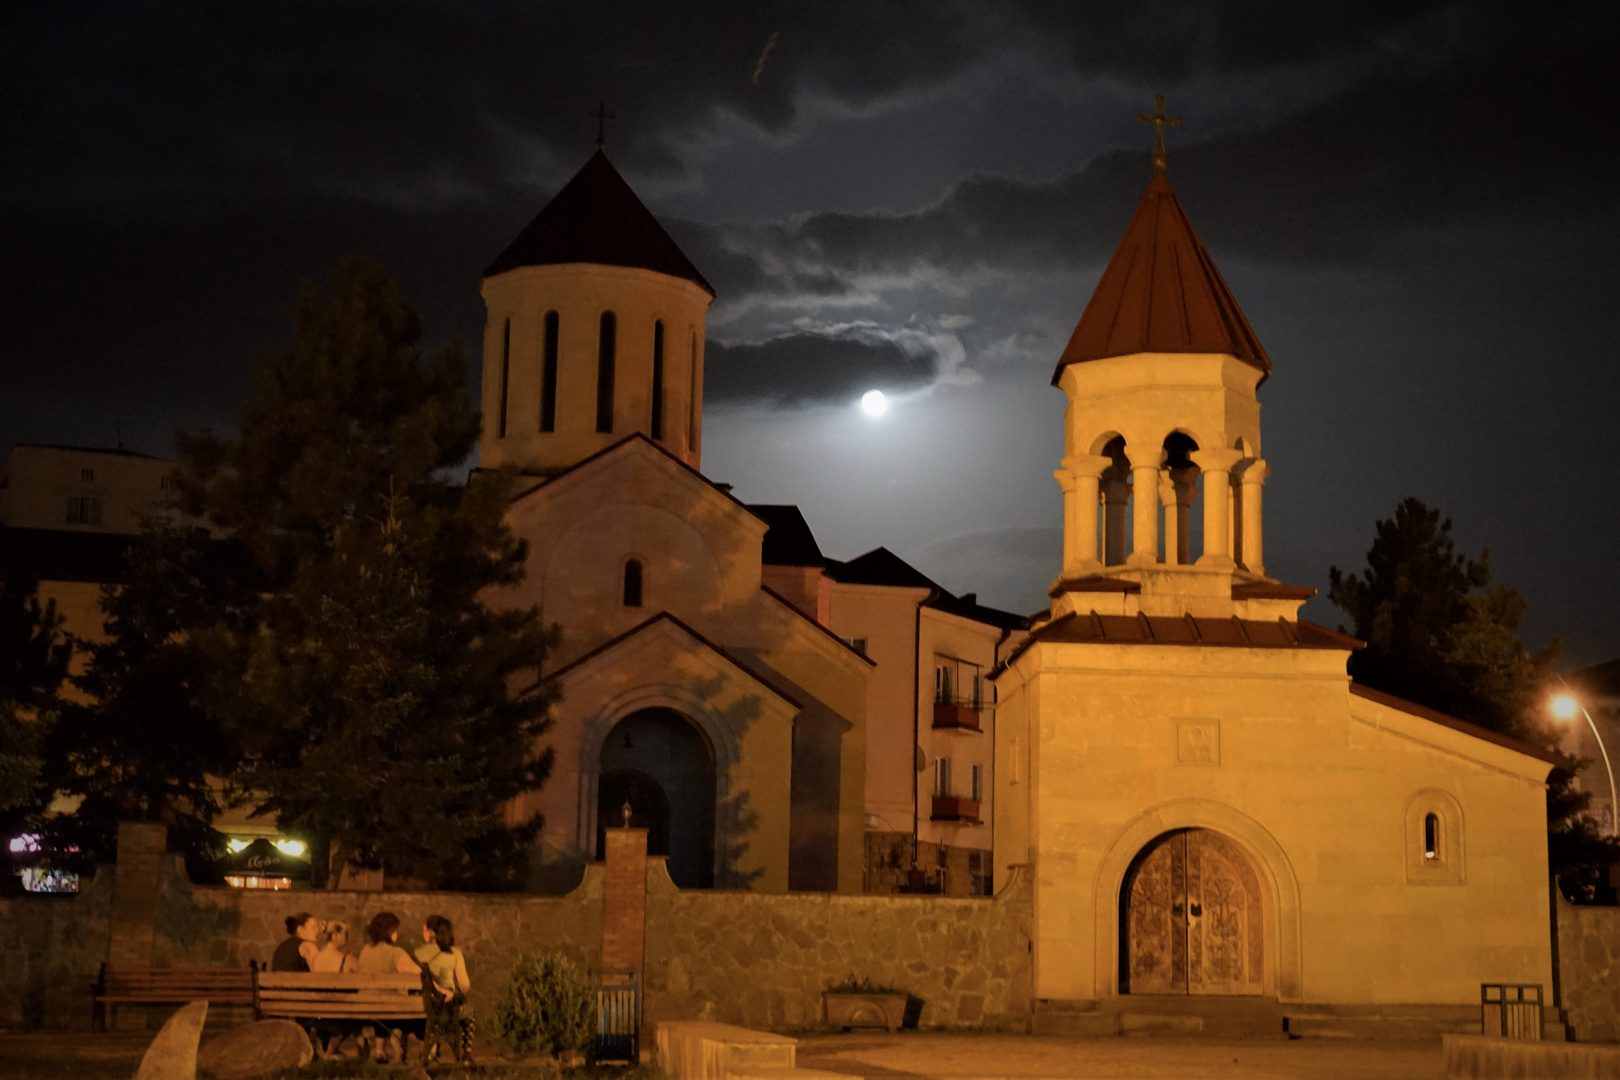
(1565, 706)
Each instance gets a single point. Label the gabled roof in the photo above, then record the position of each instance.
(1162, 293)
(1234, 632)
(880, 566)
(596, 218)
(1412, 708)
(790, 541)
(539, 484)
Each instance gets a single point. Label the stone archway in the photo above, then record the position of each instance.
(662, 765)
(1192, 918)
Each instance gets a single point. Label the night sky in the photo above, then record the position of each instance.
(1417, 205)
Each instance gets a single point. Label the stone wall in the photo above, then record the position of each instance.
(51, 950)
(1589, 970)
(762, 960)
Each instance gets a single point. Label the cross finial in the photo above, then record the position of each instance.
(1161, 160)
(625, 810)
(602, 117)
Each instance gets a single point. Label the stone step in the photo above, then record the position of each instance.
(766, 1072)
(1144, 1014)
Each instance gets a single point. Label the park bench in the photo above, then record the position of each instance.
(167, 986)
(308, 995)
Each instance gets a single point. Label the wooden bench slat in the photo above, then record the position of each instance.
(316, 995)
(347, 980)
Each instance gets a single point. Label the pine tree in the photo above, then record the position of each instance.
(1441, 634)
(371, 689)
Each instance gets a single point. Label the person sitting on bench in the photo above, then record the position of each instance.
(297, 951)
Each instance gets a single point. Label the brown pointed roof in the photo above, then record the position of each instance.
(597, 218)
(1162, 293)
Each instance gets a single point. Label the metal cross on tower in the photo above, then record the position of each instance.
(603, 116)
(1161, 160)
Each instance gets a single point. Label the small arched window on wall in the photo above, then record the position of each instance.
(506, 377)
(606, 346)
(1434, 839)
(548, 375)
(658, 380)
(632, 583)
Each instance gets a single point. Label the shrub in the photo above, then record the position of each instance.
(544, 1008)
(852, 985)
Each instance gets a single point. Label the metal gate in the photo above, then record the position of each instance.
(618, 1016)
(1511, 1011)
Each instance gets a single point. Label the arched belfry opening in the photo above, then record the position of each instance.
(1192, 918)
(1178, 494)
(661, 765)
(1116, 496)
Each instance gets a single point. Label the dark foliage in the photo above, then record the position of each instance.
(34, 657)
(1439, 633)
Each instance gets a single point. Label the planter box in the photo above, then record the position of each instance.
(864, 1010)
(961, 717)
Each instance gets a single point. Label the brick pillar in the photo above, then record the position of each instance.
(137, 878)
(624, 900)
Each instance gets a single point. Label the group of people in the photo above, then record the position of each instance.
(438, 957)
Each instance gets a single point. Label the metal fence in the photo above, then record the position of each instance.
(1511, 1011)
(618, 1016)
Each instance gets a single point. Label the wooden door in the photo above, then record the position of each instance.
(1192, 922)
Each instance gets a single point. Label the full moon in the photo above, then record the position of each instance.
(873, 403)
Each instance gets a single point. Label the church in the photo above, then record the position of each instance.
(1207, 804)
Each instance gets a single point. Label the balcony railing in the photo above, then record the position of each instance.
(955, 808)
(962, 715)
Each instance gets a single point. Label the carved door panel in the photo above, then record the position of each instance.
(1193, 920)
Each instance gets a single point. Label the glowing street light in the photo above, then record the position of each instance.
(1564, 707)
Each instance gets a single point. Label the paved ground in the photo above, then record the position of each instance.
(114, 1056)
(1034, 1057)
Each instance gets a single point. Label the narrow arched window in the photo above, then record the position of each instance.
(506, 377)
(658, 380)
(1431, 836)
(548, 376)
(606, 344)
(692, 401)
(632, 583)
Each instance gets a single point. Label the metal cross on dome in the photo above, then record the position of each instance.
(1161, 160)
(602, 117)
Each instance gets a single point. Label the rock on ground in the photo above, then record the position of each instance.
(173, 1054)
(256, 1049)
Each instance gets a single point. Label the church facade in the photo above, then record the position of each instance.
(1210, 807)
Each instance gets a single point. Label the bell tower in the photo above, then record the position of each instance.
(594, 332)
(1162, 470)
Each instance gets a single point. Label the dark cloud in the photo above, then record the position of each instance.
(1010, 568)
(812, 368)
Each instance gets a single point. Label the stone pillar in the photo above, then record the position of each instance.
(1145, 490)
(1216, 466)
(1080, 477)
(1178, 492)
(624, 899)
(137, 880)
(1251, 479)
(1115, 494)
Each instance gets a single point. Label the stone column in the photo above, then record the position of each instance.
(1178, 492)
(137, 881)
(1080, 477)
(1116, 493)
(624, 899)
(1216, 466)
(1251, 477)
(1145, 490)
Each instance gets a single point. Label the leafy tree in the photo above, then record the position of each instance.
(34, 657)
(136, 743)
(1440, 633)
(370, 687)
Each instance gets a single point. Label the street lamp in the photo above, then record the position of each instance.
(1564, 707)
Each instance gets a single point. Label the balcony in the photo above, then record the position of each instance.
(960, 715)
(955, 808)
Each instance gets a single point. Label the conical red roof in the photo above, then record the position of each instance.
(1162, 293)
(597, 218)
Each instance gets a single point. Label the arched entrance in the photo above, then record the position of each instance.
(659, 762)
(1191, 918)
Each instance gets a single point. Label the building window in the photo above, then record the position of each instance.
(548, 376)
(942, 777)
(506, 377)
(87, 475)
(1434, 839)
(606, 345)
(978, 783)
(84, 510)
(957, 682)
(856, 643)
(632, 583)
(166, 481)
(658, 380)
(692, 401)
(1431, 836)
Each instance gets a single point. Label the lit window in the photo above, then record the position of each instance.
(1431, 836)
(632, 583)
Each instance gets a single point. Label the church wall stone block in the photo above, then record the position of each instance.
(1589, 970)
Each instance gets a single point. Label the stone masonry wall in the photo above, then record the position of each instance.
(51, 950)
(1589, 969)
(762, 960)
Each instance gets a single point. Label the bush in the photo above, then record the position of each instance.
(544, 1008)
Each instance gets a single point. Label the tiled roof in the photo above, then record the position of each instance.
(1162, 293)
(789, 541)
(1412, 708)
(596, 218)
(1095, 629)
